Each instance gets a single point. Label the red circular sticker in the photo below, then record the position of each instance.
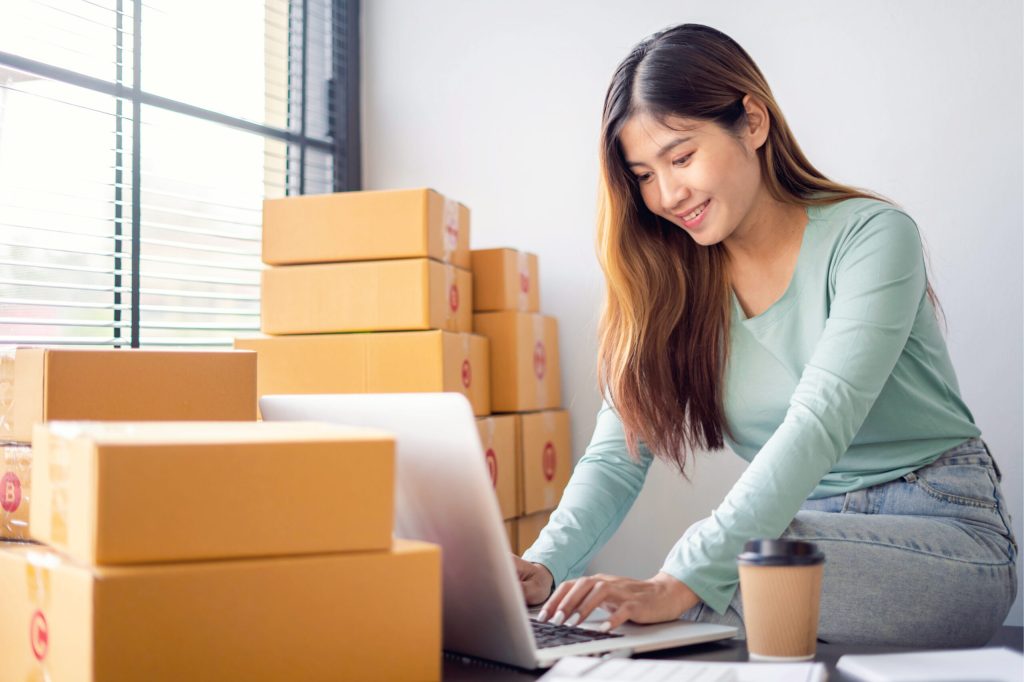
(467, 373)
(492, 466)
(453, 298)
(539, 360)
(39, 635)
(10, 492)
(524, 282)
(549, 460)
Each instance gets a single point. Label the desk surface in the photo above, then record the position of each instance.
(729, 650)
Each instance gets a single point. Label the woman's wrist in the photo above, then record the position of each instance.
(676, 592)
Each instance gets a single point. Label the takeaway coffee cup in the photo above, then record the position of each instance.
(780, 584)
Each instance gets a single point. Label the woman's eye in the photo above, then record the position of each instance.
(643, 178)
(682, 160)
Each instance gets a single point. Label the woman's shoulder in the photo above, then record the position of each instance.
(856, 211)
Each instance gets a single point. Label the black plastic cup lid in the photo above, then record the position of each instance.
(780, 553)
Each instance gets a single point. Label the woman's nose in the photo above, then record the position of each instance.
(673, 194)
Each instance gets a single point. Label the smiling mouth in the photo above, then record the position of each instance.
(695, 213)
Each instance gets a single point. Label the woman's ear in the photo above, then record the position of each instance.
(758, 122)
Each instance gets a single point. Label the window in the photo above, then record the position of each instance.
(137, 142)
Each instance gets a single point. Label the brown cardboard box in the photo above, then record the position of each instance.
(505, 279)
(6, 393)
(385, 295)
(524, 360)
(15, 490)
(510, 531)
(498, 437)
(546, 458)
(386, 362)
(131, 385)
(376, 225)
(414, 362)
(347, 616)
(528, 529)
(123, 492)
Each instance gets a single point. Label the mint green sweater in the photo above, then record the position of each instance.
(843, 383)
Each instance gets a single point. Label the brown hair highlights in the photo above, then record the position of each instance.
(664, 331)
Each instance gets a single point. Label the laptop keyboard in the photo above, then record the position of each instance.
(548, 635)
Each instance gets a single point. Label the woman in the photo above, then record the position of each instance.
(754, 302)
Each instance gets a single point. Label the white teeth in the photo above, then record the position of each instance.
(697, 211)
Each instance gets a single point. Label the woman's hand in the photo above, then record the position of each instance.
(658, 599)
(535, 579)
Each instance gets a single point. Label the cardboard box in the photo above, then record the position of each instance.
(348, 616)
(524, 360)
(546, 456)
(505, 279)
(376, 225)
(386, 362)
(15, 490)
(510, 530)
(122, 492)
(131, 385)
(6, 393)
(528, 529)
(498, 437)
(387, 295)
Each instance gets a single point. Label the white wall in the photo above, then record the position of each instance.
(498, 105)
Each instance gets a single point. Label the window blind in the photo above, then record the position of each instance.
(137, 143)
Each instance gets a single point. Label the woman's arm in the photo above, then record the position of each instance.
(603, 487)
(878, 276)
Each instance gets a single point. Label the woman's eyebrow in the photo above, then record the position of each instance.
(661, 152)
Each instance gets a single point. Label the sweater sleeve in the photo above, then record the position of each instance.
(878, 274)
(603, 487)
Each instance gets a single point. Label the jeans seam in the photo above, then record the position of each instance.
(1008, 562)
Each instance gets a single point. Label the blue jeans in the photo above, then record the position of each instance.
(926, 560)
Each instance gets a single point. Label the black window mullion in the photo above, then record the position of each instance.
(136, 167)
(118, 172)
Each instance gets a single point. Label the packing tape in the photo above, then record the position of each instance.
(15, 489)
(451, 228)
(540, 360)
(6, 391)
(451, 286)
(38, 570)
(60, 473)
(524, 283)
(467, 364)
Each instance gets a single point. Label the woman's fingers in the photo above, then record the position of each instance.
(619, 616)
(597, 596)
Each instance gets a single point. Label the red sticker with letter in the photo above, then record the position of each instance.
(492, 466)
(467, 373)
(539, 360)
(549, 460)
(39, 635)
(453, 298)
(10, 492)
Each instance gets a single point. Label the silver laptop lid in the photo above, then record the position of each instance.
(443, 495)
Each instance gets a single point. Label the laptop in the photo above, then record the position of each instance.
(444, 495)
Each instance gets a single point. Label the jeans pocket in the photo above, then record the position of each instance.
(963, 479)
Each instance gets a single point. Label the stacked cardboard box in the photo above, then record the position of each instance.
(44, 384)
(525, 386)
(392, 263)
(216, 550)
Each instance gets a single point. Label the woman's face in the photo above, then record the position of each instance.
(695, 174)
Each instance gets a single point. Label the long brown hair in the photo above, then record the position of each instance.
(664, 331)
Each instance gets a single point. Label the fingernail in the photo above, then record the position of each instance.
(542, 616)
(573, 619)
(559, 617)
(605, 626)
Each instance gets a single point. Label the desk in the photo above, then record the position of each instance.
(727, 650)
